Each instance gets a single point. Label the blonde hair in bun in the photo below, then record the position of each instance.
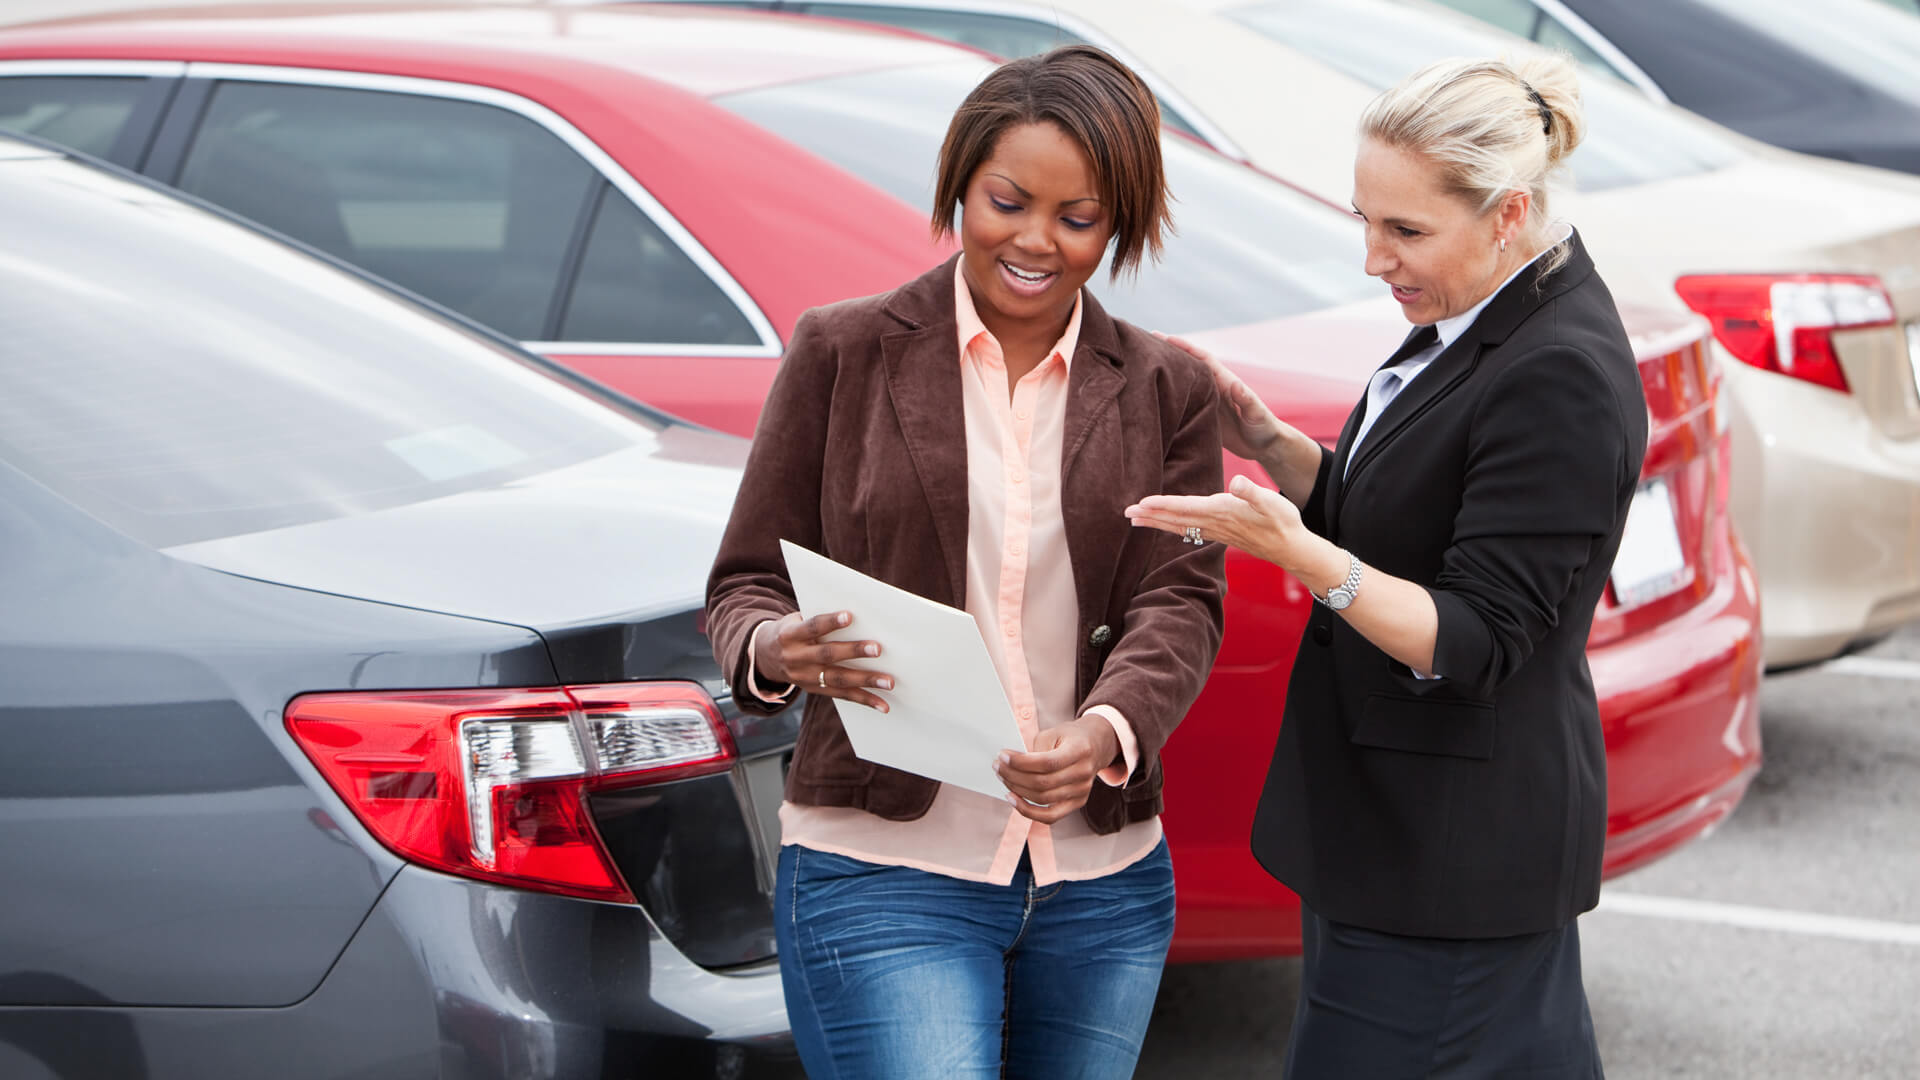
(1491, 126)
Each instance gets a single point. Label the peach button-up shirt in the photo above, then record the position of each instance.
(1020, 589)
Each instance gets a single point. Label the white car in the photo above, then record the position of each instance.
(1808, 270)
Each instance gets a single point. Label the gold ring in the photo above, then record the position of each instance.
(823, 678)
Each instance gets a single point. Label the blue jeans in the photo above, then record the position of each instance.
(901, 974)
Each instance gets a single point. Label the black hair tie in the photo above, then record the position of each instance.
(1546, 114)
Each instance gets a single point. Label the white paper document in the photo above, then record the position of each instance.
(949, 717)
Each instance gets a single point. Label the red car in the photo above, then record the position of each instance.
(654, 195)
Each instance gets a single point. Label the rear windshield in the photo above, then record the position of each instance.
(184, 378)
(1630, 140)
(1248, 248)
(1872, 42)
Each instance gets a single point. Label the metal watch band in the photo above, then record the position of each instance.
(1350, 587)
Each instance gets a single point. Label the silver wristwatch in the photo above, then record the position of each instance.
(1342, 594)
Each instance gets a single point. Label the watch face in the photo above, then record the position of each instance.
(1338, 599)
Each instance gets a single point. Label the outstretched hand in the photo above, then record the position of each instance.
(1257, 520)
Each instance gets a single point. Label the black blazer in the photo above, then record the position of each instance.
(1499, 479)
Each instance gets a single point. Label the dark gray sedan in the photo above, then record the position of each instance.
(356, 714)
(1838, 78)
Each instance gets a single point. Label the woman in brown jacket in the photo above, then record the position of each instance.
(974, 436)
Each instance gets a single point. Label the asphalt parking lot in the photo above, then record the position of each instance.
(1784, 946)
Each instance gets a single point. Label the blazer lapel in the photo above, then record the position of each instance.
(1508, 309)
(923, 380)
(1446, 372)
(1342, 449)
(1093, 458)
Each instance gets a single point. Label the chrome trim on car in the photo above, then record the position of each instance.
(598, 158)
(622, 348)
(156, 69)
(1593, 39)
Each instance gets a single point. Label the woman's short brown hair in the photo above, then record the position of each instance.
(1102, 105)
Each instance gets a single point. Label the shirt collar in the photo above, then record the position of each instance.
(1451, 329)
(971, 327)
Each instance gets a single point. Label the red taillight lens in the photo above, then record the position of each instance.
(492, 784)
(1785, 322)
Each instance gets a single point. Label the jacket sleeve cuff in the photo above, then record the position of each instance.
(771, 697)
(1462, 647)
(1116, 775)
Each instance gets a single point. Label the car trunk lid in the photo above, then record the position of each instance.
(605, 559)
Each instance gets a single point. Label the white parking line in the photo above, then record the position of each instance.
(1757, 918)
(1874, 666)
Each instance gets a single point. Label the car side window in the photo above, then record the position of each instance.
(467, 204)
(87, 113)
(636, 285)
(1522, 18)
(1516, 17)
(1554, 35)
(1008, 36)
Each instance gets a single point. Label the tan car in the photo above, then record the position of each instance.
(1808, 270)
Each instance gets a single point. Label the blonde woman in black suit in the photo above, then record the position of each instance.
(1437, 795)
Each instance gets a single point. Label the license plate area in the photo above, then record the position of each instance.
(760, 784)
(1652, 562)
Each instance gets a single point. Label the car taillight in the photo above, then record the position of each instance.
(492, 784)
(1785, 322)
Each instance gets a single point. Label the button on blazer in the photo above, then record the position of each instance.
(1473, 806)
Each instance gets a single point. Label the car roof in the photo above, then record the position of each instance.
(701, 50)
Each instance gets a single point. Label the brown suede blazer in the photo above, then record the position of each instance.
(861, 455)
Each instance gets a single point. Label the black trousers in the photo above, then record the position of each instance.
(1377, 1006)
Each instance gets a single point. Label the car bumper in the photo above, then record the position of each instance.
(1831, 508)
(450, 978)
(1680, 710)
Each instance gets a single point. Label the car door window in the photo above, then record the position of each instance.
(1554, 35)
(1522, 18)
(467, 204)
(1514, 16)
(636, 285)
(87, 113)
(1008, 36)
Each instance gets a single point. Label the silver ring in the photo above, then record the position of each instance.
(1030, 802)
(1193, 535)
(823, 678)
